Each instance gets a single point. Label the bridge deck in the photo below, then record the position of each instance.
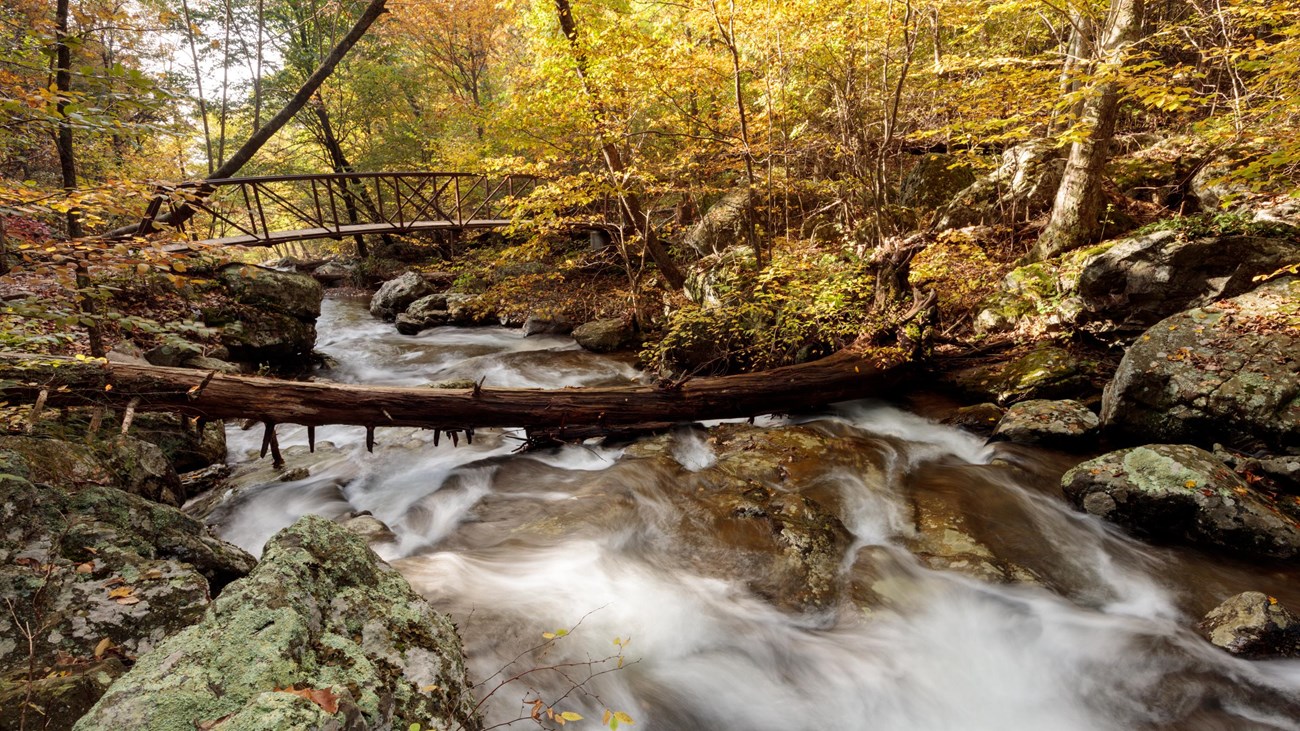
(306, 234)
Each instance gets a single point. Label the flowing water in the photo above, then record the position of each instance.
(585, 539)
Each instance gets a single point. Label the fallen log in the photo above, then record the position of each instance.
(848, 374)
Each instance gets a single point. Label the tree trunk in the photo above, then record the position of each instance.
(1079, 207)
(848, 374)
(68, 169)
(341, 165)
(249, 148)
(630, 202)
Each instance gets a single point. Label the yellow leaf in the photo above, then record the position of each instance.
(1190, 483)
(571, 716)
(104, 646)
(121, 591)
(624, 718)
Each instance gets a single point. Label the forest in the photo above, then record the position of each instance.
(1068, 230)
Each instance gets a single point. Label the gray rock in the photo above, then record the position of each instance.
(132, 465)
(469, 310)
(1023, 186)
(424, 313)
(274, 316)
(1060, 424)
(1253, 625)
(547, 325)
(87, 564)
(182, 443)
(332, 272)
(173, 354)
(1142, 279)
(395, 295)
(371, 529)
(724, 225)
(204, 363)
(935, 180)
(977, 419)
(605, 336)
(1215, 373)
(319, 612)
(1178, 492)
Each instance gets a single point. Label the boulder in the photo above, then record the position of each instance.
(547, 325)
(102, 575)
(321, 634)
(273, 320)
(1061, 424)
(605, 336)
(1253, 625)
(1039, 298)
(332, 273)
(935, 180)
(185, 447)
(469, 310)
(1047, 371)
(976, 419)
(1224, 372)
(1142, 279)
(172, 354)
(424, 313)
(724, 225)
(1023, 186)
(204, 363)
(132, 465)
(1178, 492)
(395, 295)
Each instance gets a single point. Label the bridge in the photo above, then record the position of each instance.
(271, 210)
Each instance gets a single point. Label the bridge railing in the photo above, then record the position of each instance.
(334, 205)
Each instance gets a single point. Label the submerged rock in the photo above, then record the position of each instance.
(1178, 492)
(1061, 424)
(605, 336)
(978, 419)
(1253, 625)
(395, 295)
(320, 613)
(1226, 372)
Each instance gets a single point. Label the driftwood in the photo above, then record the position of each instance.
(845, 375)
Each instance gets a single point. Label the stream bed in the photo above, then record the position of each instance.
(965, 593)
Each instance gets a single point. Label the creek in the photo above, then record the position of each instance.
(589, 539)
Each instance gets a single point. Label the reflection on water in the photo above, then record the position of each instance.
(515, 545)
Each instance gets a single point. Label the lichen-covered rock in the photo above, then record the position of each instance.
(1253, 625)
(1227, 372)
(320, 612)
(126, 463)
(1178, 492)
(96, 572)
(1061, 424)
(1046, 371)
(395, 295)
(935, 180)
(944, 543)
(1039, 298)
(424, 313)
(289, 293)
(1142, 279)
(1023, 186)
(605, 336)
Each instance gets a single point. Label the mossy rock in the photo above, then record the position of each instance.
(1045, 372)
(320, 611)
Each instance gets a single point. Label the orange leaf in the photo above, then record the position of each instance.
(120, 592)
(322, 697)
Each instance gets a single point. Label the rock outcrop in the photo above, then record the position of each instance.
(1143, 279)
(273, 320)
(1177, 492)
(321, 634)
(1023, 186)
(935, 180)
(1226, 372)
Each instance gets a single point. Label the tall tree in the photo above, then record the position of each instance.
(1077, 213)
